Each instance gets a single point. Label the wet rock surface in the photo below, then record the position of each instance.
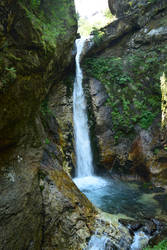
(155, 229)
(40, 207)
(139, 154)
(60, 108)
(123, 8)
(107, 226)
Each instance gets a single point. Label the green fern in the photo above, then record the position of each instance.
(35, 3)
(161, 246)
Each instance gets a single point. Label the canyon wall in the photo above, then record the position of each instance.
(124, 70)
(40, 207)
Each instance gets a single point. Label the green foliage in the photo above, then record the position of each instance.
(42, 187)
(35, 3)
(41, 175)
(161, 246)
(52, 19)
(97, 35)
(47, 141)
(152, 1)
(44, 108)
(146, 185)
(156, 151)
(8, 74)
(57, 27)
(11, 72)
(108, 15)
(133, 87)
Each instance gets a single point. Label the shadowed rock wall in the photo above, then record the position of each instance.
(40, 207)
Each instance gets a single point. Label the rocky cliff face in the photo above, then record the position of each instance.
(124, 69)
(40, 207)
(122, 8)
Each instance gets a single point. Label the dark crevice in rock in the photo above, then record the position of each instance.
(42, 213)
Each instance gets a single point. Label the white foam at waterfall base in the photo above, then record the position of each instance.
(97, 243)
(140, 240)
(90, 183)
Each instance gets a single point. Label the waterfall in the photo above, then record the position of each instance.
(81, 131)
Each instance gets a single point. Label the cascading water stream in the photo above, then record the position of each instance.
(81, 131)
(84, 174)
